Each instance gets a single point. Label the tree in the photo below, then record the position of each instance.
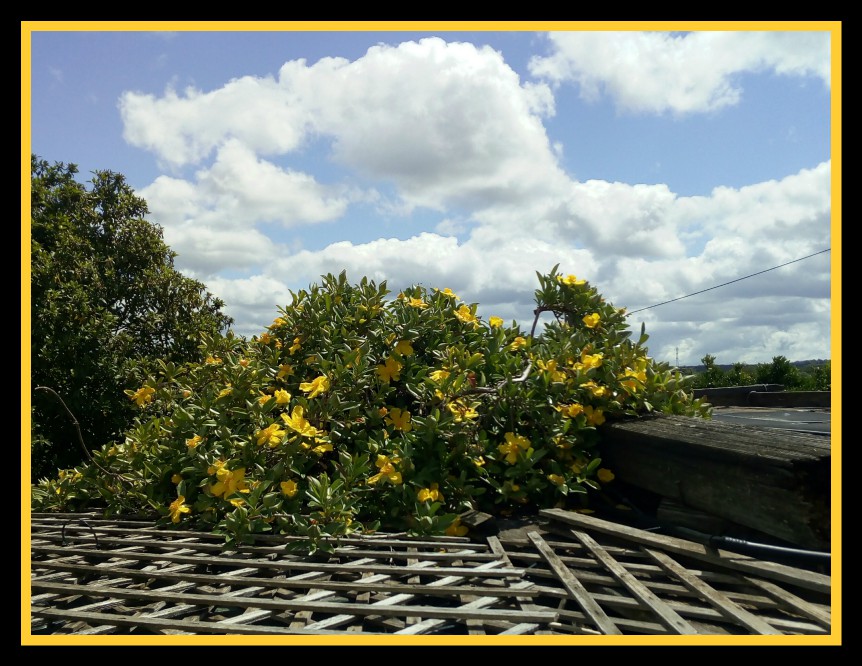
(106, 304)
(780, 371)
(712, 376)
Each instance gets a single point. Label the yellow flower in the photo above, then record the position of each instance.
(297, 345)
(447, 292)
(431, 493)
(592, 320)
(282, 397)
(639, 375)
(178, 508)
(591, 360)
(194, 441)
(456, 528)
(211, 360)
(243, 362)
(278, 322)
(514, 444)
(383, 411)
(390, 371)
(225, 391)
(596, 389)
(605, 475)
(517, 343)
(570, 280)
(316, 386)
(462, 411)
(387, 471)
(322, 448)
(271, 435)
(176, 478)
(556, 479)
(417, 303)
(595, 417)
(143, 395)
(570, 411)
(439, 375)
(265, 338)
(187, 393)
(399, 419)
(229, 482)
(495, 322)
(289, 488)
(479, 462)
(465, 314)
(284, 370)
(264, 398)
(557, 376)
(299, 423)
(404, 348)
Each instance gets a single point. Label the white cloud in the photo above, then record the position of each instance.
(447, 123)
(450, 127)
(474, 132)
(212, 221)
(656, 72)
(186, 128)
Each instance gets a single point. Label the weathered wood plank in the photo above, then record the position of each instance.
(806, 609)
(576, 589)
(670, 618)
(279, 565)
(722, 558)
(718, 600)
(382, 608)
(775, 482)
(212, 627)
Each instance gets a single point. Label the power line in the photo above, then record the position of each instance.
(731, 282)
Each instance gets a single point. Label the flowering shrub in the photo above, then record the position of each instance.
(353, 412)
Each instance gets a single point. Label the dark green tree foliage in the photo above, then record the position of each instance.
(106, 304)
(780, 371)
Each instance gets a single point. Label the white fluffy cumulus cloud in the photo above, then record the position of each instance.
(447, 123)
(211, 222)
(657, 72)
(449, 129)
(187, 128)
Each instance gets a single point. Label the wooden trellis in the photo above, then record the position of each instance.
(563, 573)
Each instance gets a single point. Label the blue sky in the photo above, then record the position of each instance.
(653, 164)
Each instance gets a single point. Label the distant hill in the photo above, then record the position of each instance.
(725, 367)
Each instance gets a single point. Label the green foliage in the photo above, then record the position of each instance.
(712, 376)
(779, 371)
(106, 303)
(356, 412)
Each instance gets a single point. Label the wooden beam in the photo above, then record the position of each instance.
(775, 482)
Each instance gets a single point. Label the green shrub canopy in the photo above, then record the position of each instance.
(354, 412)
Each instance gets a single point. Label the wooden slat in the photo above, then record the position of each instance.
(723, 604)
(203, 627)
(722, 558)
(670, 618)
(302, 605)
(575, 588)
(277, 564)
(804, 608)
(467, 610)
